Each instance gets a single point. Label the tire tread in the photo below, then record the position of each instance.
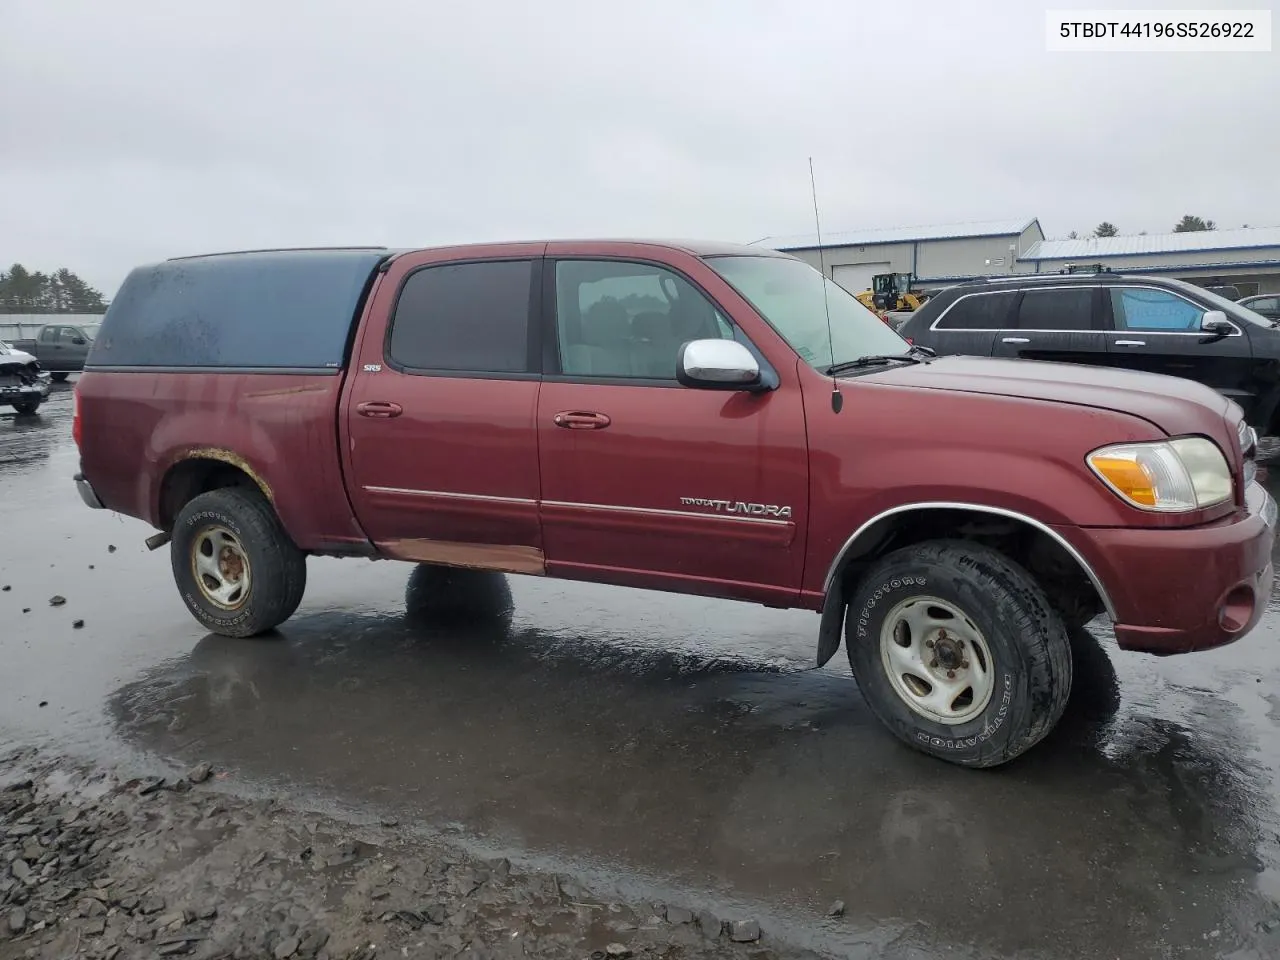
(1039, 628)
(279, 566)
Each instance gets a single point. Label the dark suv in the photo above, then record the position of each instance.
(1158, 325)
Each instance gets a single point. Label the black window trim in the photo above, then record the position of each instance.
(1110, 320)
(553, 371)
(533, 330)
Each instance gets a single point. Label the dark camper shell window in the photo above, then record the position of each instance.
(270, 310)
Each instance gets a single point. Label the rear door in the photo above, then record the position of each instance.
(1158, 330)
(968, 325)
(441, 447)
(1055, 323)
(649, 483)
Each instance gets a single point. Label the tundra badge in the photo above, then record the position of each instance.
(737, 506)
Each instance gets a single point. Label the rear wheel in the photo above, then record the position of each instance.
(235, 566)
(958, 652)
(27, 407)
(59, 377)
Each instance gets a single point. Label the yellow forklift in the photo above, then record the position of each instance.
(892, 291)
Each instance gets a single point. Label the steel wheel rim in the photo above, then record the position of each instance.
(937, 660)
(220, 567)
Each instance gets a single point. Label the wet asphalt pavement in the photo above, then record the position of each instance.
(666, 746)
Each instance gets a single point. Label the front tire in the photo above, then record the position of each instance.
(59, 377)
(236, 568)
(26, 408)
(958, 652)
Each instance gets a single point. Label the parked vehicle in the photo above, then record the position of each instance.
(705, 419)
(1152, 324)
(23, 385)
(60, 347)
(1266, 304)
(1228, 291)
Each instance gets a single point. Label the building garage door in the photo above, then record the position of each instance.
(856, 277)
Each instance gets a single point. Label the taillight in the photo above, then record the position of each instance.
(75, 414)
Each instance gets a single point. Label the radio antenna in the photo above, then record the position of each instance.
(837, 400)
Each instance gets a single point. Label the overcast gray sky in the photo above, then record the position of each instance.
(133, 130)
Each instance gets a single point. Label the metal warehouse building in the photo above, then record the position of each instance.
(1248, 258)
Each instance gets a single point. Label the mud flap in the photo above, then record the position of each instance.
(832, 625)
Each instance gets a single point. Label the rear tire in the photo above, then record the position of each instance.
(958, 652)
(59, 377)
(236, 568)
(26, 408)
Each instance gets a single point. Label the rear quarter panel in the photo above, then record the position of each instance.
(278, 428)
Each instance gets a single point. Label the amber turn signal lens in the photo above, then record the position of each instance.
(1130, 478)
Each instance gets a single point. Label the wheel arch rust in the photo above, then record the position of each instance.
(197, 470)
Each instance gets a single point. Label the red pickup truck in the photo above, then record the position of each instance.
(699, 418)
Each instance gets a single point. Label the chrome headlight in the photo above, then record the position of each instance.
(1167, 476)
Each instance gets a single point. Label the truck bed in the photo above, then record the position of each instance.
(232, 359)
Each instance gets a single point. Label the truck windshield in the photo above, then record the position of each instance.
(91, 330)
(788, 293)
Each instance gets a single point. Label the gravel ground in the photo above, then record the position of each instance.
(95, 866)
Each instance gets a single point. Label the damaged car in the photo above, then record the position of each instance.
(23, 384)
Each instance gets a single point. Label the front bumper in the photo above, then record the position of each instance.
(1175, 591)
(87, 493)
(23, 393)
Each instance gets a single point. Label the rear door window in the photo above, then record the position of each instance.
(979, 311)
(1152, 310)
(464, 318)
(1063, 309)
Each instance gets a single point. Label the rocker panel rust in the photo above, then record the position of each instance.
(504, 558)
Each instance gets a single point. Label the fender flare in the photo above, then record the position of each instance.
(835, 604)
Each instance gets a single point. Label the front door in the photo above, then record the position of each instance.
(1158, 331)
(1058, 323)
(441, 445)
(649, 483)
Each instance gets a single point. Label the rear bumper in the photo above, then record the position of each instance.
(1175, 591)
(87, 493)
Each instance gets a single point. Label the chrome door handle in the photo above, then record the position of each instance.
(1016, 340)
(1130, 343)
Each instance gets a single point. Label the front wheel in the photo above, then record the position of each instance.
(958, 652)
(59, 377)
(26, 408)
(236, 568)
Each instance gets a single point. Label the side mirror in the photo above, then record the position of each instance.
(78, 341)
(717, 365)
(1215, 322)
